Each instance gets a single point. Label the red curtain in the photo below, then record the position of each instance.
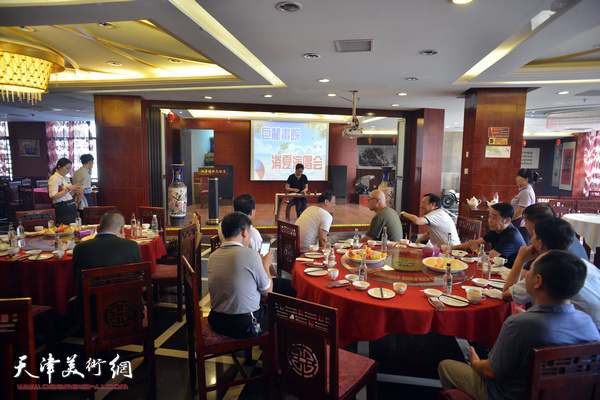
(5, 160)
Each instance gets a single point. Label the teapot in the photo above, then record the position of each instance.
(473, 202)
(494, 200)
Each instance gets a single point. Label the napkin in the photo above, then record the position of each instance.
(493, 293)
(503, 270)
(387, 268)
(304, 259)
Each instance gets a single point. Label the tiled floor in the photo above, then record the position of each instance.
(397, 355)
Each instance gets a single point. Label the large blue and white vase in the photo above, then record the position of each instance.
(386, 186)
(177, 197)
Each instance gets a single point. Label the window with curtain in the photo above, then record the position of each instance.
(71, 139)
(5, 159)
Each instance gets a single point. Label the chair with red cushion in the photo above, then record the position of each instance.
(167, 275)
(16, 320)
(120, 315)
(204, 343)
(306, 357)
(92, 214)
(288, 246)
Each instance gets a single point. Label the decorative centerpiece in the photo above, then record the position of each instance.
(177, 197)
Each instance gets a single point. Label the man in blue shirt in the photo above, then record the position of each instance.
(554, 278)
(503, 236)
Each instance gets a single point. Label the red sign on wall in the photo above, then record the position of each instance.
(498, 132)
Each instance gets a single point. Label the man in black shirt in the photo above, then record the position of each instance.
(298, 183)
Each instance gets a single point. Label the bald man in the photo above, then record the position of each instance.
(384, 217)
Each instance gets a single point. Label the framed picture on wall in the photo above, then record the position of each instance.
(29, 148)
(566, 169)
(375, 157)
(556, 165)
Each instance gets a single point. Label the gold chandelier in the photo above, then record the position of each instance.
(25, 71)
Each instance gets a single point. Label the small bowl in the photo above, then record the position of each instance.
(499, 261)
(351, 277)
(361, 285)
(371, 243)
(150, 235)
(341, 251)
(474, 295)
(333, 273)
(400, 287)
(404, 241)
(481, 282)
(313, 247)
(145, 226)
(12, 251)
(432, 292)
(58, 253)
(339, 245)
(38, 228)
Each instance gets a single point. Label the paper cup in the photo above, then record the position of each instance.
(400, 287)
(333, 273)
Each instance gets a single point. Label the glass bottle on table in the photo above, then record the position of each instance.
(480, 254)
(362, 269)
(133, 226)
(20, 230)
(448, 253)
(57, 242)
(78, 223)
(13, 239)
(384, 240)
(448, 278)
(154, 224)
(486, 268)
(138, 227)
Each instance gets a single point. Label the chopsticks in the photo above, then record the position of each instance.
(381, 289)
(455, 298)
(313, 269)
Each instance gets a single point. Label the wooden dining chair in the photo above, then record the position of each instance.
(568, 203)
(16, 321)
(145, 214)
(168, 275)
(27, 199)
(306, 357)
(562, 210)
(42, 183)
(92, 215)
(588, 206)
(215, 243)
(468, 228)
(5, 206)
(288, 246)
(115, 315)
(33, 218)
(204, 343)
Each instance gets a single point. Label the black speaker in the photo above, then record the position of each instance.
(226, 183)
(337, 178)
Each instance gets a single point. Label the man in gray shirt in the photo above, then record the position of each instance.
(554, 278)
(237, 278)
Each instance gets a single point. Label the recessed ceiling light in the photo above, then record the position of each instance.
(311, 56)
(288, 6)
(331, 94)
(267, 95)
(208, 97)
(106, 25)
(25, 28)
(114, 63)
(563, 92)
(428, 52)
(461, 1)
(174, 60)
(395, 105)
(411, 78)
(324, 80)
(402, 94)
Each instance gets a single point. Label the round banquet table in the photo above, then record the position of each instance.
(51, 282)
(588, 226)
(362, 317)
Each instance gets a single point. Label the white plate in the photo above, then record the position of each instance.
(69, 252)
(457, 265)
(344, 245)
(341, 251)
(33, 252)
(376, 292)
(4, 238)
(497, 285)
(315, 272)
(3, 253)
(34, 233)
(452, 302)
(351, 277)
(459, 253)
(470, 259)
(314, 255)
(416, 245)
(40, 257)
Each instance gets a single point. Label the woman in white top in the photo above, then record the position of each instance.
(61, 192)
(524, 198)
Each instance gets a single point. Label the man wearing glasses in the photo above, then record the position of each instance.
(384, 217)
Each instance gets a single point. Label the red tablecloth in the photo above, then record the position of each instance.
(41, 196)
(362, 317)
(51, 282)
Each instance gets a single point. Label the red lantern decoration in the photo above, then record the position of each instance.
(524, 143)
(394, 140)
(370, 140)
(558, 142)
(171, 116)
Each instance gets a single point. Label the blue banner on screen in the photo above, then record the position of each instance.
(277, 146)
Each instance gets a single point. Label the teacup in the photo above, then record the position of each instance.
(313, 247)
(499, 260)
(333, 273)
(12, 251)
(474, 295)
(145, 226)
(371, 243)
(38, 228)
(399, 287)
(58, 253)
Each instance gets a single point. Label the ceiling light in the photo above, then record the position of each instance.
(208, 97)
(288, 6)
(26, 71)
(331, 94)
(106, 25)
(428, 52)
(402, 94)
(563, 92)
(268, 95)
(461, 1)
(324, 80)
(114, 63)
(311, 56)
(174, 60)
(411, 78)
(395, 105)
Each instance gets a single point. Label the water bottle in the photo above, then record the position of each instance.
(356, 239)
(448, 279)
(79, 224)
(485, 260)
(154, 224)
(384, 240)
(486, 272)
(138, 227)
(13, 239)
(362, 270)
(57, 242)
(449, 247)
(133, 226)
(480, 254)
(20, 230)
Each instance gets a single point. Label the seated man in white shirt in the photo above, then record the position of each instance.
(237, 278)
(315, 221)
(440, 223)
(245, 203)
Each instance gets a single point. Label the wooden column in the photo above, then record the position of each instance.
(482, 176)
(122, 146)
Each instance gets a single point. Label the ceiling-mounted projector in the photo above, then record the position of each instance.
(352, 133)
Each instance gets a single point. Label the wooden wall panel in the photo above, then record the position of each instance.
(122, 145)
(28, 166)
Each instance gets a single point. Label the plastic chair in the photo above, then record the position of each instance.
(288, 246)
(204, 343)
(306, 356)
